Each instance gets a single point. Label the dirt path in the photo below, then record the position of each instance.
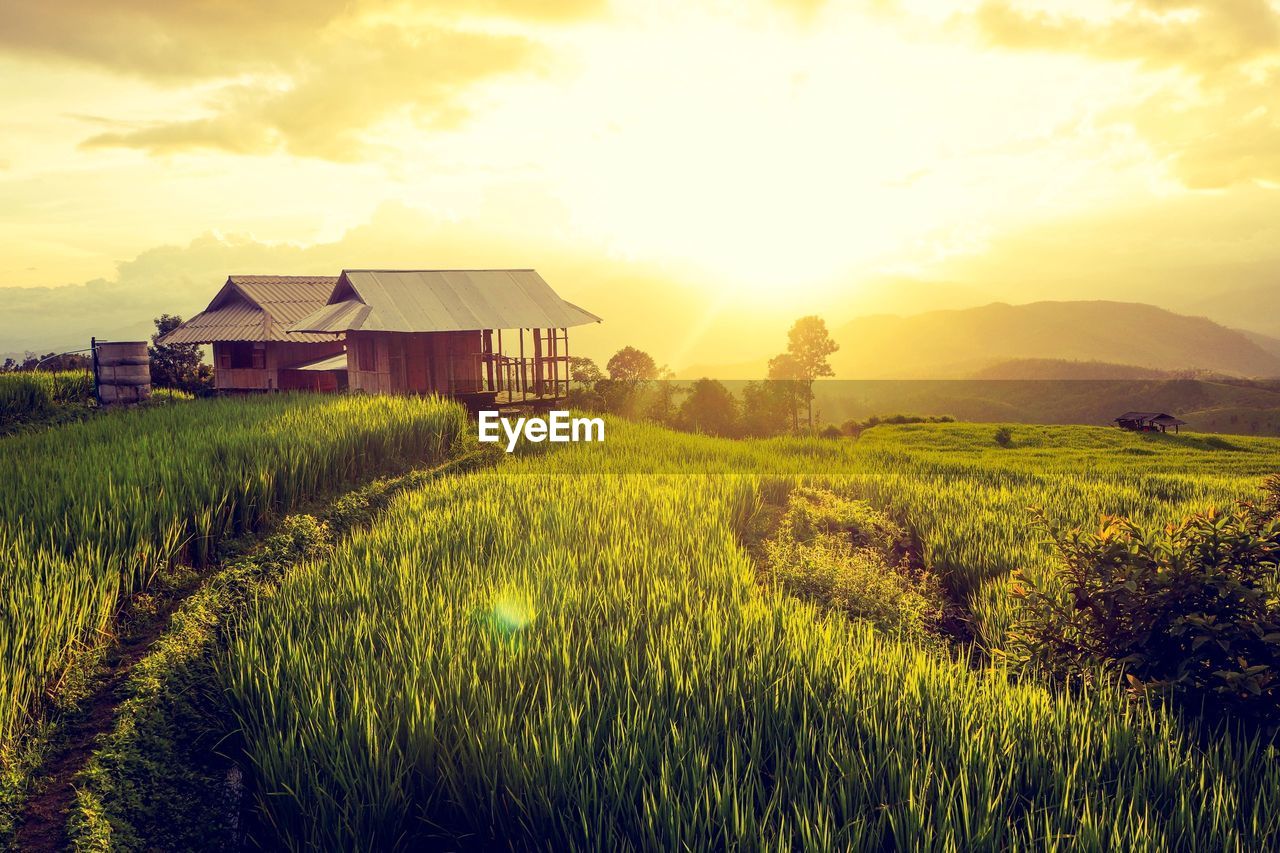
(43, 822)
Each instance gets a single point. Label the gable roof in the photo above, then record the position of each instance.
(442, 301)
(257, 308)
(1150, 416)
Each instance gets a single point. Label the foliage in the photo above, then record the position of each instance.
(768, 408)
(1004, 436)
(1190, 609)
(631, 365)
(93, 511)
(51, 362)
(809, 344)
(32, 397)
(584, 371)
(855, 428)
(621, 681)
(709, 408)
(787, 376)
(156, 780)
(160, 775)
(177, 365)
(850, 557)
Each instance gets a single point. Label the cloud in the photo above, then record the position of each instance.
(306, 76)
(198, 39)
(1202, 36)
(1221, 124)
(323, 109)
(637, 300)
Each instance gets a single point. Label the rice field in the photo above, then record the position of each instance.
(572, 651)
(90, 512)
(30, 394)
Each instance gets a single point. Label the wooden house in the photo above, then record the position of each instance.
(487, 336)
(1148, 422)
(247, 325)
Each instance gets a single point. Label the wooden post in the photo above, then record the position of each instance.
(487, 349)
(537, 362)
(93, 347)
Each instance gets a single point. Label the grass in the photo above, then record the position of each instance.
(93, 511)
(37, 397)
(158, 778)
(573, 652)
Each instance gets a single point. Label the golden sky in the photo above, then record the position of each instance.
(720, 157)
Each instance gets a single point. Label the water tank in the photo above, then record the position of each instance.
(124, 372)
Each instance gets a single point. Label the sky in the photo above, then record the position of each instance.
(697, 173)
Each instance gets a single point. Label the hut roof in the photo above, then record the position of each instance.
(1158, 417)
(442, 301)
(328, 362)
(257, 308)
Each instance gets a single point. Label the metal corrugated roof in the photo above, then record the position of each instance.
(257, 308)
(329, 362)
(443, 301)
(1150, 416)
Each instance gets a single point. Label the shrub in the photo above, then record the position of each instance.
(830, 431)
(1190, 610)
(848, 556)
(1004, 437)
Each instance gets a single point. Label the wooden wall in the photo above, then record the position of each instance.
(276, 354)
(413, 362)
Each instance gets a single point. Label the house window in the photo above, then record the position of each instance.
(364, 353)
(259, 358)
(240, 355)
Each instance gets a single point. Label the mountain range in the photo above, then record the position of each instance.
(1040, 340)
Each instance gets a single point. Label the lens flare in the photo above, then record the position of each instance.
(512, 613)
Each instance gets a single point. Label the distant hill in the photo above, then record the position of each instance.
(1059, 368)
(1268, 343)
(1256, 308)
(1207, 406)
(1039, 340)
(961, 343)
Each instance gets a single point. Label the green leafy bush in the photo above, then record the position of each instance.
(848, 556)
(1189, 609)
(1004, 437)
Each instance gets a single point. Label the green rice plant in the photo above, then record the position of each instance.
(92, 511)
(29, 394)
(572, 652)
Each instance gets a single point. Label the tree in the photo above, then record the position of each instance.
(709, 408)
(788, 376)
(809, 344)
(584, 371)
(629, 370)
(632, 365)
(767, 408)
(176, 365)
(661, 397)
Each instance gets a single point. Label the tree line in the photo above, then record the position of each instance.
(632, 384)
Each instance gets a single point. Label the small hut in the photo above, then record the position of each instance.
(247, 324)
(442, 331)
(1149, 422)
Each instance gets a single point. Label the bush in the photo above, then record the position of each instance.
(1189, 610)
(1004, 437)
(830, 431)
(848, 556)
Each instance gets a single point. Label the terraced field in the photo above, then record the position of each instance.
(91, 512)
(573, 650)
